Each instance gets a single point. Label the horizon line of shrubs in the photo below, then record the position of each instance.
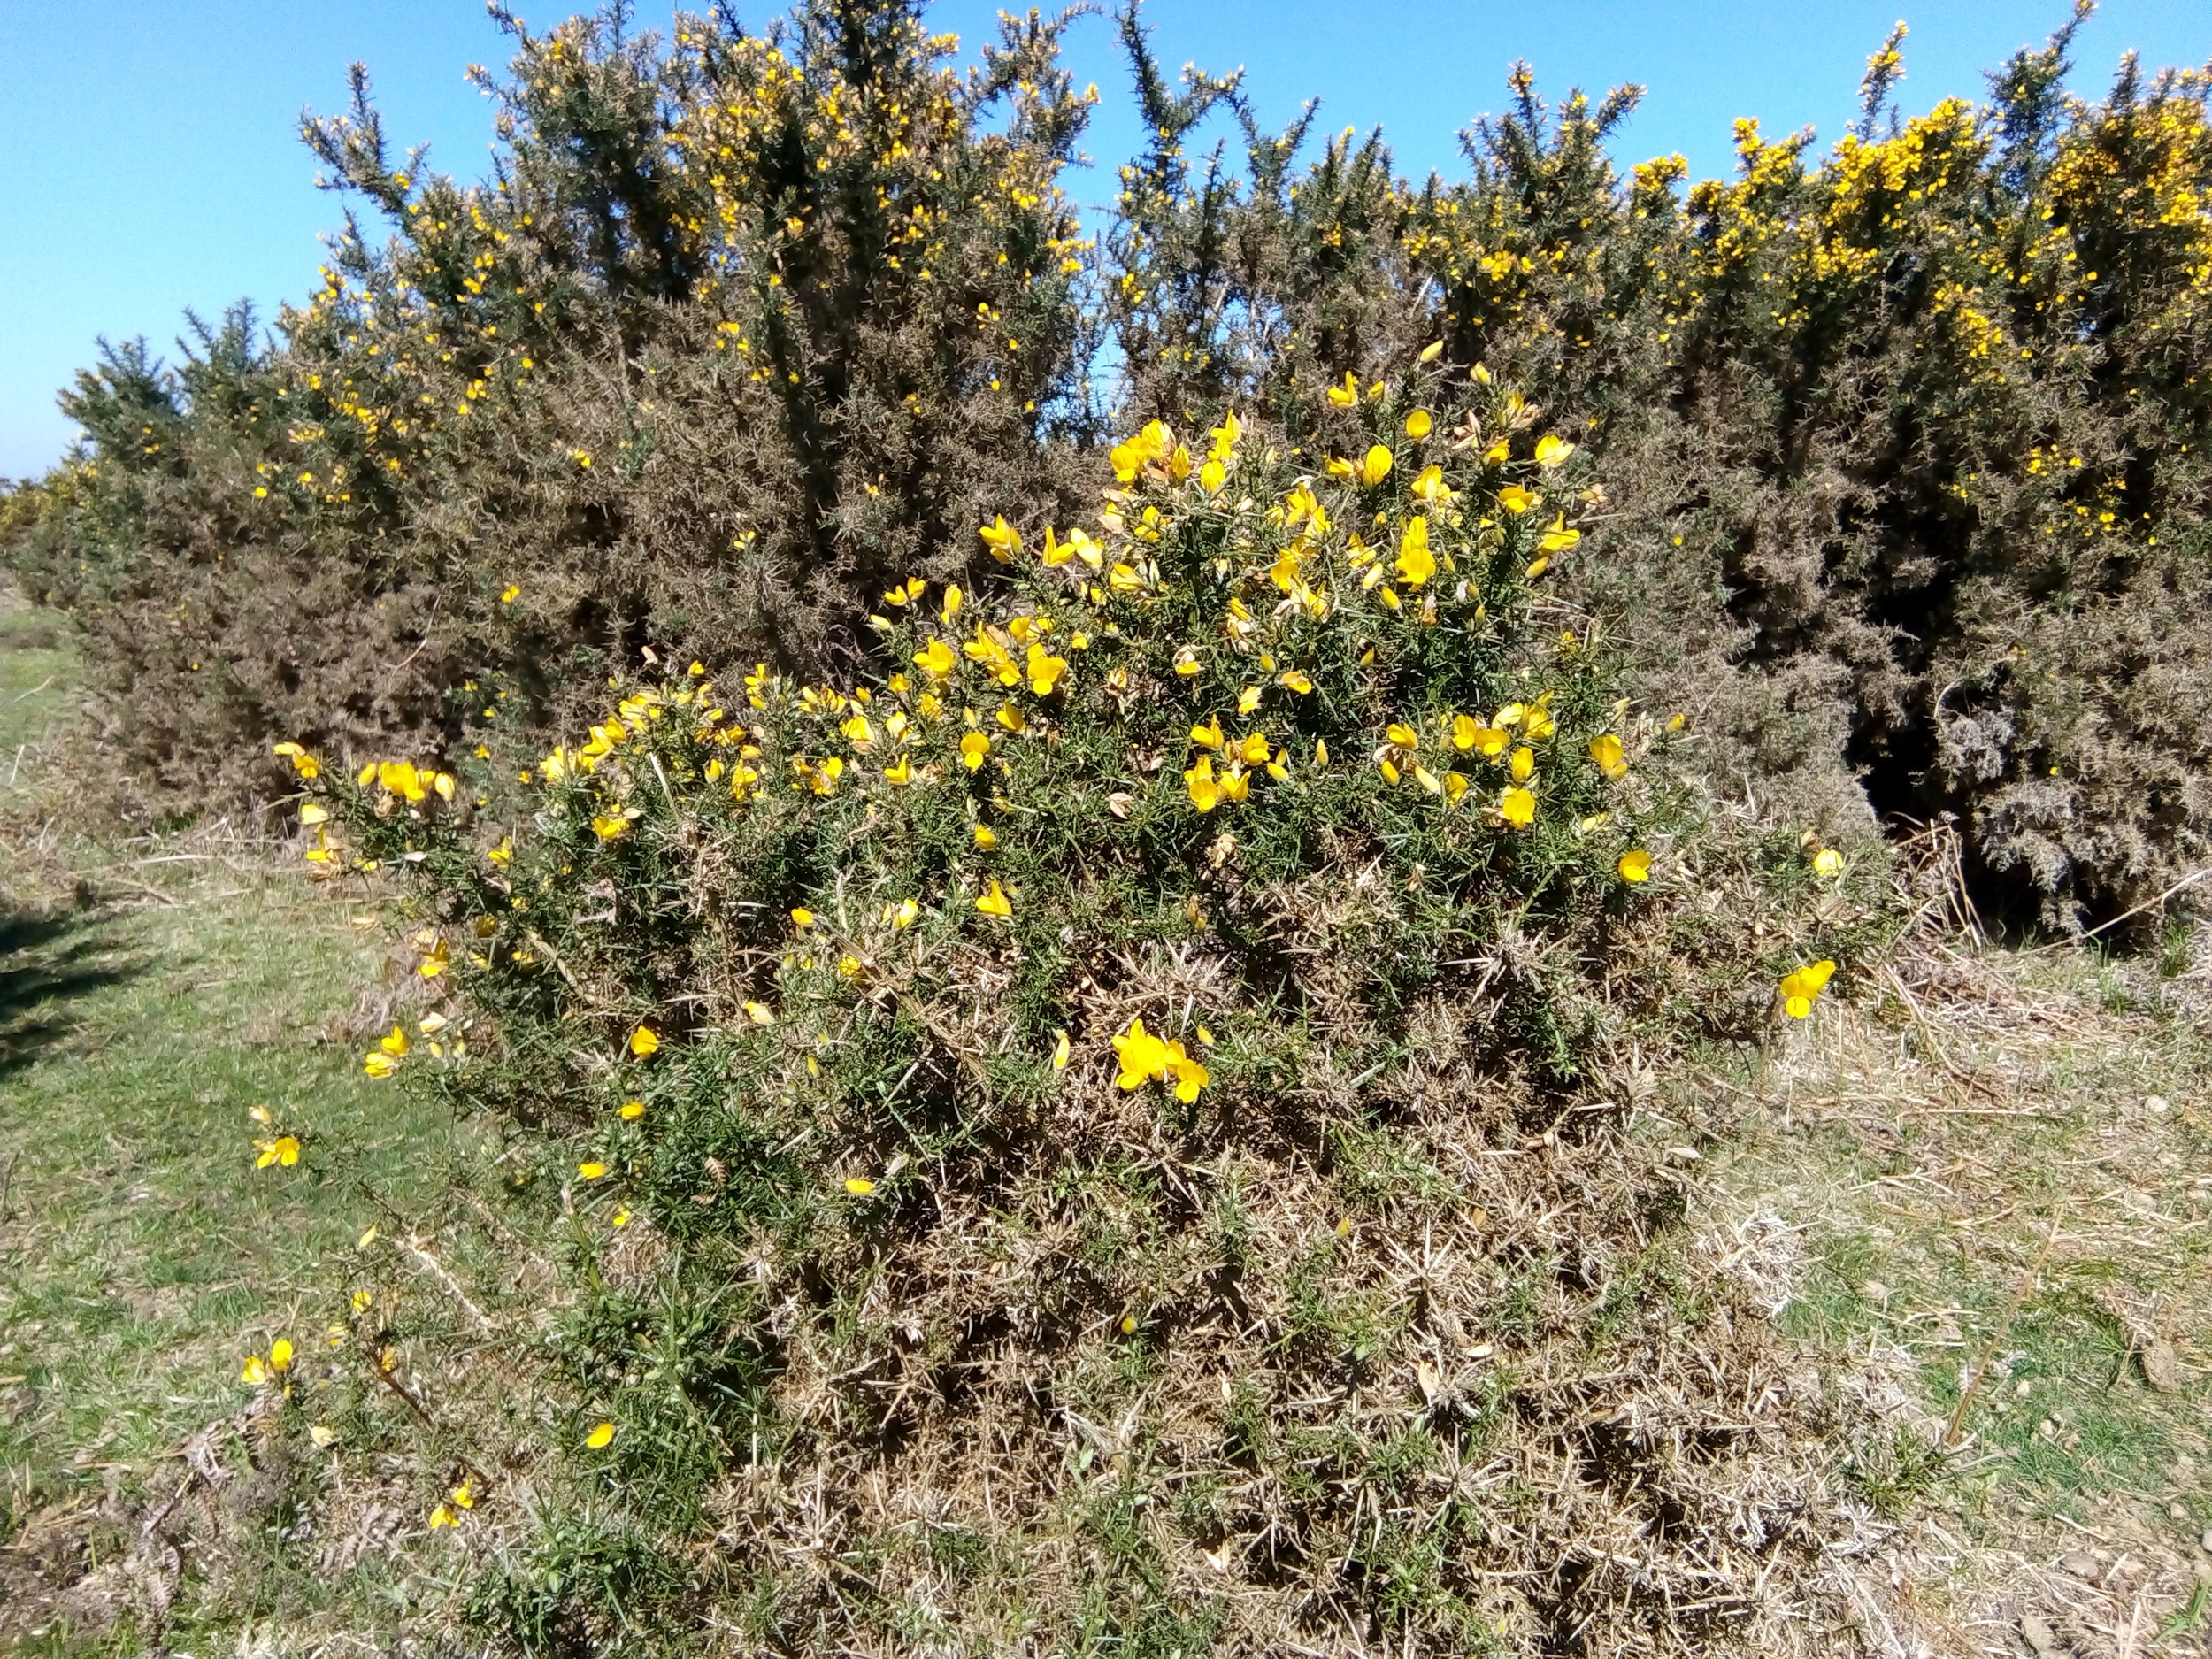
(1902, 448)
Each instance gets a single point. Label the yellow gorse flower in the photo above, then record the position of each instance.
(1003, 540)
(1376, 466)
(1800, 988)
(303, 762)
(1153, 443)
(1518, 807)
(1605, 749)
(1045, 670)
(1634, 866)
(1346, 396)
(995, 902)
(1517, 500)
(1551, 451)
(1418, 425)
(1415, 564)
(1145, 1056)
(284, 1150)
(974, 746)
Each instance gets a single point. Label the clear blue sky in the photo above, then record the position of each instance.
(149, 161)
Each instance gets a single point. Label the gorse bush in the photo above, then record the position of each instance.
(1905, 445)
(740, 326)
(966, 1108)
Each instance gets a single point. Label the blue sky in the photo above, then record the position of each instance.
(149, 161)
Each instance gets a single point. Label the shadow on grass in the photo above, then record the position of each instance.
(48, 958)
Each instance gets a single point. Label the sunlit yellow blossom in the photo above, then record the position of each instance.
(801, 917)
(1605, 749)
(609, 825)
(935, 659)
(1634, 866)
(1518, 807)
(1470, 733)
(1536, 720)
(1551, 451)
(1204, 788)
(1522, 764)
(256, 1369)
(1402, 735)
(986, 837)
(601, 1436)
(973, 747)
(1295, 680)
(1224, 437)
(760, 1013)
(1418, 425)
(995, 902)
(284, 1150)
(1251, 748)
(630, 1110)
(1002, 539)
(1828, 862)
(1800, 988)
(1558, 539)
(1209, 735)
(303, 762)
(1430, 488)
(591, 1169)
(902, 914)
(1012, 718)
(1061, 1050)
(1376, 466)
(857, 731)
(1248, 700)
(1515, 499)
(1347, 395)
(644, 1042)
(1045, 669)
(1415, 564)
(900, 771)
(859, 1186)
(1153, 443)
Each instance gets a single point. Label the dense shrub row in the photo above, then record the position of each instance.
(1905, 446)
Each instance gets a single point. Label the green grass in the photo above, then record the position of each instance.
(142, 1255)
(1928, 1205)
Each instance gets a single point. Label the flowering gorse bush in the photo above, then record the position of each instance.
(1244, 699)
(1274, 822)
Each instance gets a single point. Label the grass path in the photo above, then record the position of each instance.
(1997, 1173)
(142, 1254)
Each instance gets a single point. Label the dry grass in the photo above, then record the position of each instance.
(2001, 1168)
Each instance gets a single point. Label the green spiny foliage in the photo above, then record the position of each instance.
(956, 1070)
(742, 326)
(1905, 445)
